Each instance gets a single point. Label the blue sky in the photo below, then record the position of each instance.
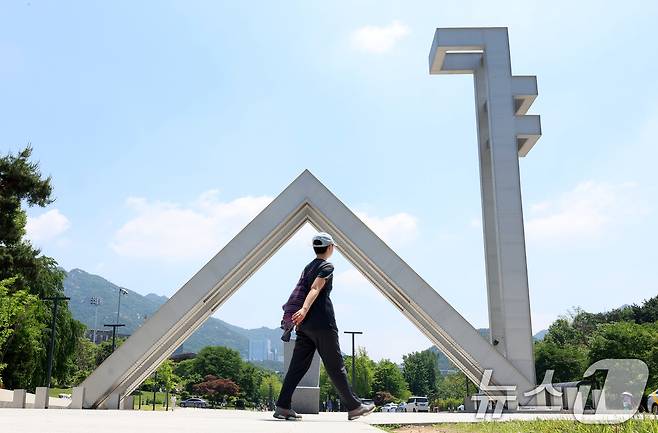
(168, 125)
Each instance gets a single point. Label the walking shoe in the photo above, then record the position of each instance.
(287, 414)
(363, 410)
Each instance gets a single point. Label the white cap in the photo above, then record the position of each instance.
(323, 239)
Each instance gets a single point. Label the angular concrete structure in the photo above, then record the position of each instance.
(505, 132)
(304, 200)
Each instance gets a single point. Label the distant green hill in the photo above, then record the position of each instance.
(80, 286)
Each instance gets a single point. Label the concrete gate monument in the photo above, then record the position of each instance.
(505, 132)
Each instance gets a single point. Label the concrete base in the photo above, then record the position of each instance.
(469, 404)
(555, 401)
(19, 399)
(569, 398)
(41, 398)
(312, 376)
(77, 398)
(112, 402)
(128, 402)
(598, 400)
(306, 400)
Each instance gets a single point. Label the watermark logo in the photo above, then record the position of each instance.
(615, 402)
(621, 394)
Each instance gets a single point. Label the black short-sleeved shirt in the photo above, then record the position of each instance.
(321, 313)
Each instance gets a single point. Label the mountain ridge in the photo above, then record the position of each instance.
(80, 286)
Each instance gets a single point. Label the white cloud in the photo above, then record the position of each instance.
(394, 229)
(46, 226)
(586, 212)
(352, 278)
(379, 39)
(170, 231)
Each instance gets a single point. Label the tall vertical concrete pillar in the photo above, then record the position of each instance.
(505, 132)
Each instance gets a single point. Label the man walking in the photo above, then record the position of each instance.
(316, 329)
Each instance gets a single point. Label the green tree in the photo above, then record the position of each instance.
(249, 382)
(218, 361)
(85, 360)
(270, 387)
(18, 320)
(420, 370)
(387, 377)
(364, 373)
(647, 312)
(21, 183)
(453, 386)
(189, 377)
(627, 340)
(567, 360)
(562, 332)
(327, 389)
(104, 349)
(165, 376)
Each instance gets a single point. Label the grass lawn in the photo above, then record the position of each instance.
(54, 392)
(631, 426)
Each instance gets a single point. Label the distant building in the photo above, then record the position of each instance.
(260, 350)
(102, 335)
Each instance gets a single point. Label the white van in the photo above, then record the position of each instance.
(418, 404)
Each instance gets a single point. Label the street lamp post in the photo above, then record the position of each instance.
(116, 324)
(96, 301)
(114, 327)
(353, 353)
(155, 385)
(122, 291)
(51, 350)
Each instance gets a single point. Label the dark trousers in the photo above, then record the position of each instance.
(326, 343)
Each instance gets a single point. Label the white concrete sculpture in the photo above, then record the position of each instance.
(304, 200)
(505, 132)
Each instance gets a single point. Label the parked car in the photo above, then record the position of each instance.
(652, 402)
(402, 407)
(194, 402)
(418, 404)
(389, 407)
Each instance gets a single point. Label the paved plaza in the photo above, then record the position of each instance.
(206, 421)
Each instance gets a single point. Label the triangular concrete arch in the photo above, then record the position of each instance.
(306, 199)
